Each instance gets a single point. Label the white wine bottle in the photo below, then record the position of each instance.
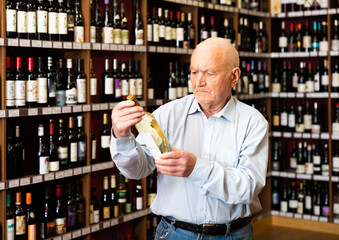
(149, 124)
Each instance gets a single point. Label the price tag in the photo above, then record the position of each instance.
(77, 108)
(36, 43)
(103, 106)
(324, 95)
(95, 107)
(304, 176)
(69, 173)
(86, 231)
(114, 221)
(57, 44)
(306, 135)
(275, 213)
(335, 179)
(106, 224)
(177, 50)
(67, 236)
(313, 54)
(201, 4)
(25, 43)
(57, 238)
(336, 221)
(2, 185)
(47, 111)
(300, 95)
(275, 173)
(321, 178)
(105, 46)
(291, 95)
(109, 165)
(315, 218)
(210, 6)
(308, 13)
(95, 227)
(129, 48)
(77, 171)
(113, 47)
(160, 49)
(298, 216)
(189, 2)
(283, 95)
(66, 109)
(13, 183)
(77, 45)
(49, 176)
(86, 108)
(37, 179)
(86, 169)
(152, 49)
(136, 48)
(59, 174)
(121, 47)
(275, 95)
(159, 102)
(96, 46)
(13, 113)
(129, 217)
(276, 134)
(322, 54)
(315, 135)
(68, 45)
(2, 42)
(287, 134)
(291, 175)
(325, 135)
(283, 174)
(25, 181)
(334, 53)
(290, 215)
(2, 113)
(47, 44)
(143, 49)
(112, 105)
(56, 110)
(13, 42)
(86, 46)
(307, 217)
(323, 219)
(335, 136)
(32, 111)
(297, 135)
(95, 167)
(282, 214)
(76, 234)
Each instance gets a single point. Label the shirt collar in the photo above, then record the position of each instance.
(227, 112)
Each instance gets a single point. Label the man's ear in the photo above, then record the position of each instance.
(235, 76)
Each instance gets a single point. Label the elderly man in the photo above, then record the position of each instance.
(208, 186)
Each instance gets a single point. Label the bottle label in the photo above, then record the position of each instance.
(150, 198)
(300, 168)
(308, 121)
(43, 164)
(309, 168)
(81, 214)
(275, 166)
(53, 23)
(180, 34)
(307, 41)
(60, 226)
(168, 33)
(308, 202)
(52, 88)
(128, 208)
(335, 79)
(121, 196)
(91, 214)
(116, 211)
(299, 128)
(124, 87)
(32, 91)
(204, 35)
(245, 84)
(323, 46)
(293, 204)
(22, 22)
(106, 213)
(161, 31)
(70, 22)
(324, 80)
(291, 120)
(276, 120)
(74, 152)
(117, 85)
(325, 210)
(71, 96)
(20, 93)
(81, 90)
(93, 34)
(10, 229)
(96, 216)
(335, 162)
(62, 153)
(125, 36)
(174, 33)
(139, 203)
(336, 208)
(276, 87)
(149, 32)
(31, 232)
(335, 128)
(42, 21)
(317, 82)
(325, 168)
(54, 166)
(215, 34)
(62, 23)
(108, 86)
(94, 84)
(310, 86)
(275, 198)
(156, 32)
(79, 34)
(316, 128)
(132, 86)
(283, 119)
(71, 216)
(301, 87)
(283, 42)
(139, 37)
(335, 44)
(316, 160)
(10, 20)
(172, 93)
(139, 87)
(82, 149)
(316, 210)
(150, 93)
(60, 98)
(300, 208)
(283, 206)
(94, 149)
(107, 35)
(10, 93)
(295, 80)
(42, 90)
(105, 141)
(31, 20)
(293, 162)
(20, 225)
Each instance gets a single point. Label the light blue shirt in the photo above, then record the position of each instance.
(232, 153)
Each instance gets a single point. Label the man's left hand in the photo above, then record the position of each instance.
(176, 163)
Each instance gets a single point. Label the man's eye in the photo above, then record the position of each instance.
(193, 72)
(210, 74)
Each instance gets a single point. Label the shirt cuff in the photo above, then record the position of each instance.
(123, 144)
(200, 173)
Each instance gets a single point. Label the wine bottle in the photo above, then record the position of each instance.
(124, 81)
(30, 218)
(335, 76)
(325, 161)
(81, 83)
(31, 20)
(291, 119)
(132, 86)
(293, 202)
(11, 19)
(54, 163)
(325, 206)
(60, 84)
(308, 206)
(283, 38)
(307, 118)
(300, 206)
(276, 161)
(128, 204)
(107, 88)
(116, 23)
(183, 80)
(150, 125)
(180, 31)
(42, 84)
(78, 23)
(10, 158)
(20, 85)
(315, 39)
(107, 31)
(47, 228)
(168, 29)
(105, 201)
(155, 28)
(161, 28)
(336, 203)
(190, 31)
(316, 125)
(174, 29)
(19, 153)
(41, 21)
(97, 25)
(317, 202)
(121, 195)
(62, 21)
(149, 28)
(335, 123)
(70, 20)
(307, 39)
(71, 220)
(53, 21)
(323, 42)
(80, 203)
(172, 91)
(10, 85)
(275, 195)
(293, 158)
(82, 143)
(93, 146)
(43, 155)
(213, 30)
(94, 207)
(60, 213)
(117, 81)
(139, 27)
(138, 80)
(335, 38)
(300, 160)
(10, 220)
(105, 137)
(309, 78)
(298, 37)
(276, 84)
(179, 93)
(124, 26)
(71, 91)
(309, 168)
(317, 158)
(203, 29)
(299, 126)
(72, 144)
(301, 87)
(276, 117)
(335, 160)
(51, 81)
(114, 199)
(291, 47)
(20, 218)
(316, 77)
(150, 84)
(93, 81)
(284, 200)
(324, 78)
(21, 8)
(62, 146)
(31, 86)
(151, 188)
(138, 198)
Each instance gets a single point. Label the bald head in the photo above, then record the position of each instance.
(221, 46)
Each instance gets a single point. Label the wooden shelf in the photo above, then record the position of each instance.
(320, 12)
(294, 175)
(317, 136)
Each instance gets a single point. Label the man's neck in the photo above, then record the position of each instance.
(210, 110)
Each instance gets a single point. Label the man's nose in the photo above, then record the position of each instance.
(201, 79)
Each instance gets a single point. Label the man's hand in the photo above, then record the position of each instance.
(124, 116)
(177, 163)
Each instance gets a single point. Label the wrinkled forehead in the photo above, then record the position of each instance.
(206, 58)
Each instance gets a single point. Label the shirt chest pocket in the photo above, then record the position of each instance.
(227, 157)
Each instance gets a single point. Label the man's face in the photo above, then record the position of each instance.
(211, 77)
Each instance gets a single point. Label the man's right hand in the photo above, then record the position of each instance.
(124, 116)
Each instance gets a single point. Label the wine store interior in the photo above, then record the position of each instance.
(65, 64)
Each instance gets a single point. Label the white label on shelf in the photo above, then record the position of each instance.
(36, 43)
(67, 236)
(96, 107)
(112, 105)
(59, 174)
(313, 54)
(108, 165)
(32, 112)
(76, 234)
(300, 95)
(275, 95)
(336, 221)
(307, 217)
(77, 108)
(114, 221)
(2, 113)
(69, 173)
(96, 46)
(323, 219)
(275, 173)
(86, 169)
(129, 48)
(25, 43)
(315, 218)
(283, 174)
(25, 181)
(136, 48)
(291, 175)
(14, 113)
(325, 135)
(2, 185)
(321, 178)
(46, 111)
(332, 11)
(297, 135)
(49, 176)
(334, 95)
(95, 227)
(276, 134)
(106, 224)
(304, 176)
(13, 42)
(86, 108)
(67, 109)
(287, 134)
(159, 102)
(95, 167)
(121, 47)
(315, 135)
(274, 213)
(86, 46)
(290, 215)
(143, 49)
(68, 45)
(298, 216)
(86, 231)
(77, 45)
(306, 135)
(57, 238)
(160, 49)
(103, 106)
(37, 179)
(77, 171)
(56, 110)
(283, 94)
(105, 46)
(13, 183)
(166, 50)
(282, 214)
(129, 217)
(57, 44)
(46, 44)
(291, 95)
(335, 179)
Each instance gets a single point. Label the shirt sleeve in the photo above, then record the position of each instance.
(132, 158)
(242, 183)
